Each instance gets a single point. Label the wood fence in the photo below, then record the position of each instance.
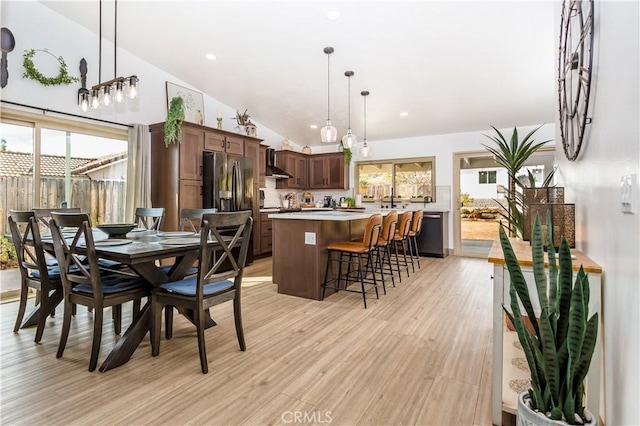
(103, 200)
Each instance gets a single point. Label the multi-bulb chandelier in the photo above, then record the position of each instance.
(115, 90)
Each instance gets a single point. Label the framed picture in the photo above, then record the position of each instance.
(193, 102)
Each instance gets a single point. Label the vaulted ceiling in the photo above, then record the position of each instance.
(453, 66)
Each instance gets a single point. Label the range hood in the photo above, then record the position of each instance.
(271, 169)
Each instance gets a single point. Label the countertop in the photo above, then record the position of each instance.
(330, 215)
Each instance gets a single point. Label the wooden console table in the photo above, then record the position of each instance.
(503, 398)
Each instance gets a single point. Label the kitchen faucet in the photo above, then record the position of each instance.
(382, 201)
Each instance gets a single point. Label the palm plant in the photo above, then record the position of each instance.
(512, 155)
(560, 344)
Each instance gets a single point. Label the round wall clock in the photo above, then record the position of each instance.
(575, 58)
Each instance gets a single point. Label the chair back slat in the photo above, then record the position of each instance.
(79, 252)
(149, 217)
(218, 226)
(372, 230)
(189, 216)
(43, 216)
(28, 243)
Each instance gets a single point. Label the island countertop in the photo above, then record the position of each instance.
(322, 215)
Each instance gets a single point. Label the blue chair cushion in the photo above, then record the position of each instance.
(112, 264)
(166, 268)
(113, 284)
(187, 287)
(53, 271)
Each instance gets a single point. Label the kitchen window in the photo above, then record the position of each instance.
(403, 179)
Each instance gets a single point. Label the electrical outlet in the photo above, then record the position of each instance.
(629, 193)
(310, 238)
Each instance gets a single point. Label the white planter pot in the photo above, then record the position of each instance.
(527, 417)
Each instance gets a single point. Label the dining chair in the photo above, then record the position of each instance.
(191, 219)
(214, 283)
(82, 285)
(362, 250)
(149, 217)
(34, 272)
(43, 216)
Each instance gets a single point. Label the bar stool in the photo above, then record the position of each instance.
(416, 227)
(402, 236)
(383, 248)
(359, 249)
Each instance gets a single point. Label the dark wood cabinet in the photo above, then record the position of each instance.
(252, 150)
(266, 233)
(328, 171)
(262, 170)
(295, 164)
(176, 170)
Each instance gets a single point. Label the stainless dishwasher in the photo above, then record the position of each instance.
(433, 237)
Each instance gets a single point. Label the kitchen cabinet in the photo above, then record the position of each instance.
(504, 352)
(295, 164)
(266, 233)
(176, 170)
(218, 141)
(262, 170)
(328, 171)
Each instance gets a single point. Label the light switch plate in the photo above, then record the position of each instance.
(310, 238)
(629, 193)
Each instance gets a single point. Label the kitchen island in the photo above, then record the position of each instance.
(300, 242)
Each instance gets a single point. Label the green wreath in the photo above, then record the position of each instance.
(32, 73)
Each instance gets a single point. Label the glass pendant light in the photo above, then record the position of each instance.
(349, 140)
(365, 149)
(328, 134)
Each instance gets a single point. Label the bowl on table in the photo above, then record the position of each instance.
(116, 230)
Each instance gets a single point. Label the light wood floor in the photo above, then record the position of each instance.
(419, 355)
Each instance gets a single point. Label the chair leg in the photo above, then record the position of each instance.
(404, 254)
(116, 313)
(136, 308)
(415, 245)
(237, 315)
(199, 320)
(66, 325)
(42, 315)
(24, 291)
(364, 293)
(387, 250)
(168, 322)
(380, 261)
(326, 274)
(395, 246)
(156, 325)
(408, 241)
(373, 273)
(97, 337)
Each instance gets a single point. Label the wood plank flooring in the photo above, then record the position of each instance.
(420, 355)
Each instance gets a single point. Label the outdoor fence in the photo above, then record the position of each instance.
(102, 200)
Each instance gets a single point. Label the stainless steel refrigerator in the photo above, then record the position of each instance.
(227, 184)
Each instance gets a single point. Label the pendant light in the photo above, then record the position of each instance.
(349, 140)
(115, 90)
(365, 149)
(328, 134)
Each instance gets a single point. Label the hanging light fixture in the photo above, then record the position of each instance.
(328, 134)
(365, 149)
(116, 89)
(349, 140)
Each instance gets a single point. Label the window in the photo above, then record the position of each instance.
(46, 161)
(487, 176)
(406, 178)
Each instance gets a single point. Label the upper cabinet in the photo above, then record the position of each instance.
(262, 170)
(221, 142)
(328, 171)
(295, 164)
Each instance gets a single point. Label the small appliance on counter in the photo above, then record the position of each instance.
(290, 201)
(328, 201)
(307, 199)
(261, 199)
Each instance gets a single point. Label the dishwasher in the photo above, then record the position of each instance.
(433, 237)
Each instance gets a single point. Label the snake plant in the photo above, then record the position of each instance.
(560, 343)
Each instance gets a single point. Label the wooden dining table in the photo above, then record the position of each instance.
(142, 256)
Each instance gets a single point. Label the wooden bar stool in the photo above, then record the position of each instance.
(416, 226)
(359, 249)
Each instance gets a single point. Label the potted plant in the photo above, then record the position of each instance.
(173, 125)
(513, 155)
(559, 342)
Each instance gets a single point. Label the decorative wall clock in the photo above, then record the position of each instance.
(575, 59)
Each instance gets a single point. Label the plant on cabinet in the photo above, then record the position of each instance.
(560, 341)
(173, 125)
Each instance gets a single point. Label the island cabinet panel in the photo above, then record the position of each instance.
(266, 233)
(298, 263)
(295, 164)
(328, 171)
(176, 170)
(251, 150)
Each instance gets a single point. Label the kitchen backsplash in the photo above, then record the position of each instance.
(272, 197)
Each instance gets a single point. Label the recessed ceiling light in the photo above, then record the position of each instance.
(314, 126)
(404, 114)
(210, 56)
(333, 15)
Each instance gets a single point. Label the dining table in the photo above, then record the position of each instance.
(142, 250)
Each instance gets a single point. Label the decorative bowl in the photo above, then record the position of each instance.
(116, 230)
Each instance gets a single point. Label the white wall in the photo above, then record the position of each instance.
(469, 183)
(603, 232)
(35, 26)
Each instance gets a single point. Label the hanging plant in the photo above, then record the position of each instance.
(32, 73)
(347, 155)
(173, 125)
